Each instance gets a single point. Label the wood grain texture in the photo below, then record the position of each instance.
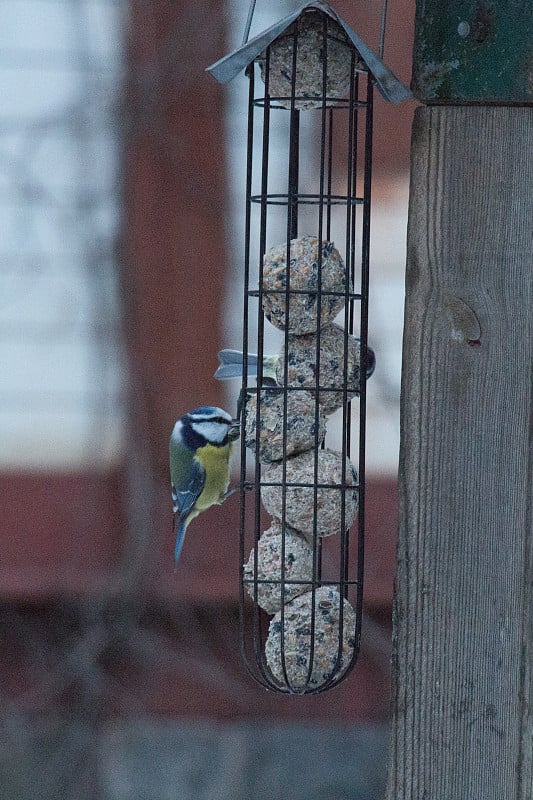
(463, 641)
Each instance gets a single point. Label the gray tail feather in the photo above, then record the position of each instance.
(180, 536)
(231, 364)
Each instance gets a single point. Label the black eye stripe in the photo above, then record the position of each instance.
(217, 420)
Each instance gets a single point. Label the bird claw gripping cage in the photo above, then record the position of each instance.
(306, 264)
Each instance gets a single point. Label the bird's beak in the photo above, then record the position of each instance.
(234, 430)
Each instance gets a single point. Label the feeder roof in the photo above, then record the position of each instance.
(229, 66)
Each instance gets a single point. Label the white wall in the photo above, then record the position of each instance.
(60, 364)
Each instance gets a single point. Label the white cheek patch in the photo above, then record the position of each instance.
(211, 431)
(176, 431)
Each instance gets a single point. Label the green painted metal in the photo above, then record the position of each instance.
(472, 51)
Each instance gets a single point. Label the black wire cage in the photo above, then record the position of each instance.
(306, 272)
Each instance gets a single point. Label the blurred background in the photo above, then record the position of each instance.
(121, 215)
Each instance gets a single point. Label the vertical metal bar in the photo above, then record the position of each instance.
(317, 548)
(258, 643)
(245, 348)
(382, 29)
(244, 644)
(365, 261)
(351, 250)
(291, 232)
(330, 174)
(294, 170)
(248, 25)
(344, 533)
(351, 182)
(354, 114)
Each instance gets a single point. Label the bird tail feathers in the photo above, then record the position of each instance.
(231, 362)
(180, 536)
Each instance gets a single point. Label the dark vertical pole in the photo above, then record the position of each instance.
(294, 168)
(365, 265)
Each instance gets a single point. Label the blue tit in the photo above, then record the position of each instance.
(231, 365)
(200, 447)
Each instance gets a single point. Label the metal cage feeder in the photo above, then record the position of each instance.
(306, 266)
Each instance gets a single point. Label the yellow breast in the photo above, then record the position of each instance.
(215, 461)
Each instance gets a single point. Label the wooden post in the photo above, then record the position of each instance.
(463, 619)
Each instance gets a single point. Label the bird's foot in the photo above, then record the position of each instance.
(247, 487)
(228, 493)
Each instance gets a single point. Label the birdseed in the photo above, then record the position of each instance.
(303, 276)
(300, 433)
(298, 567)
(299, 504)
(296, 638)
(309, 82)
(302, 364)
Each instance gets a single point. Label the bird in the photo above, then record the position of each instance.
(231, 365)
(200, 447)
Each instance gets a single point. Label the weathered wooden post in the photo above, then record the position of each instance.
(463, 644)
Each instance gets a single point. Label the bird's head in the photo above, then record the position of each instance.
(206, 425)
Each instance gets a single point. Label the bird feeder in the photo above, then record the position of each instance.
(306, 265)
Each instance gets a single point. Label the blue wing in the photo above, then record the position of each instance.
(188, 490)
(184, 495)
